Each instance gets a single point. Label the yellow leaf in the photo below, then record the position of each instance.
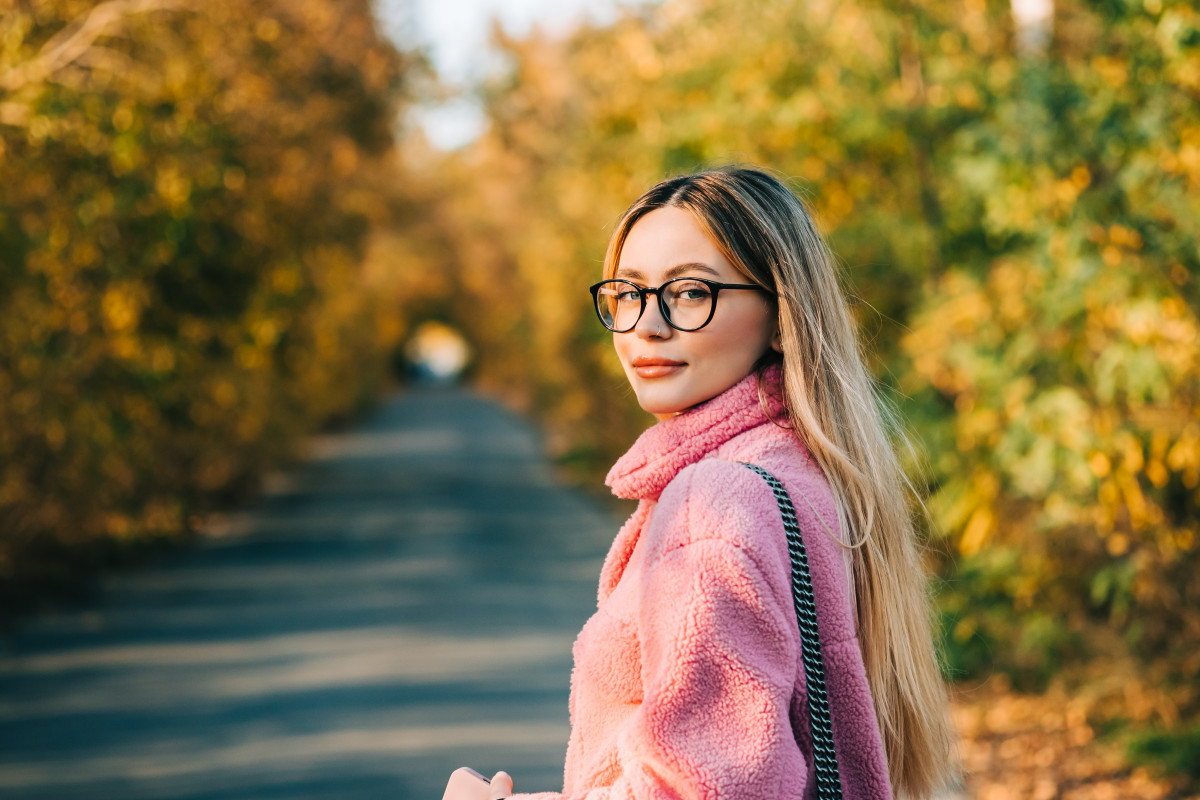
(975, 535)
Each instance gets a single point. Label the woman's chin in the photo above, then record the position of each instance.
(663, 408)
(660, 409)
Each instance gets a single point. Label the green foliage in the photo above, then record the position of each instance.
(188, 193)
(982, 634)
(1175, 751)
(1070, 357)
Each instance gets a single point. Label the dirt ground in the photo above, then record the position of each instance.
(1041, 747)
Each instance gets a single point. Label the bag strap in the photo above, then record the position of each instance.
(829, 784)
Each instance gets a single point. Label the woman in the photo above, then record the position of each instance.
(732, 329)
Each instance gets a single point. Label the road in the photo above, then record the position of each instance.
(401, 603)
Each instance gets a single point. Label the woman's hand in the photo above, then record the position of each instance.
(501, 786)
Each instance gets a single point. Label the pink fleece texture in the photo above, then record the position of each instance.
(688, 681)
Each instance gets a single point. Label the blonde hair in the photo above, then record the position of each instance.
(831, 401)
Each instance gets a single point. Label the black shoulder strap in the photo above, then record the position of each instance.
(829, 784)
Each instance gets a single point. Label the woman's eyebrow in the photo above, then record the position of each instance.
(692, 266)
(629, 273)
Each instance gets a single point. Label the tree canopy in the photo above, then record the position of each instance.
(188, 197)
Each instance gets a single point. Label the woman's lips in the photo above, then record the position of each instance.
(656, 367)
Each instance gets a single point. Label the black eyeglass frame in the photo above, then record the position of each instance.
(715, 286)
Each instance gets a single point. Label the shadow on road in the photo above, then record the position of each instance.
(401, 604)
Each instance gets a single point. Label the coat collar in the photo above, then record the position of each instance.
(662, 451)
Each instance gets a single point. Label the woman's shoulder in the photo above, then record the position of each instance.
(780, 452)
(716, 500)
(723, 502)
(777, 449)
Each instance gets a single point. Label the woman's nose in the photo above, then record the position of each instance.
(652, 325)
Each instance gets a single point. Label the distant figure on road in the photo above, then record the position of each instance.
(689, 680)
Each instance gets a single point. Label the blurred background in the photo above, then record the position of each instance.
(225, 226)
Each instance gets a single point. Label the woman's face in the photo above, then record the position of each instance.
(671, 371)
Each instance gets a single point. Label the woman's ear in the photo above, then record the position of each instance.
(777, 341)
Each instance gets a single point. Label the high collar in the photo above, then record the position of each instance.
(662, 451)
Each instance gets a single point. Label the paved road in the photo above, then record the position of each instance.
(401, 604)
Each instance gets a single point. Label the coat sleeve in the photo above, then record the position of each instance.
(719, 648)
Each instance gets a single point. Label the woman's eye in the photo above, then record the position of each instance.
(628, 295)
(691, 292)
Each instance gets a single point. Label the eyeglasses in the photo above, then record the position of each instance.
(687, 304)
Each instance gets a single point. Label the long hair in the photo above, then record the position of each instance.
(832, 405)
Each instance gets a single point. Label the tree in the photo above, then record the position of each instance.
(190, 191)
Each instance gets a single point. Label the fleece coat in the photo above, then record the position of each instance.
(688, 680)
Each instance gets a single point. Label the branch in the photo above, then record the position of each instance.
(73, 41)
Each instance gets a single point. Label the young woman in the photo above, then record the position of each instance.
(729, 321)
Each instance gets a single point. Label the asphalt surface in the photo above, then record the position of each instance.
(400, 604)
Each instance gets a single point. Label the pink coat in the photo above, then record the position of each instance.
(688, 681)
